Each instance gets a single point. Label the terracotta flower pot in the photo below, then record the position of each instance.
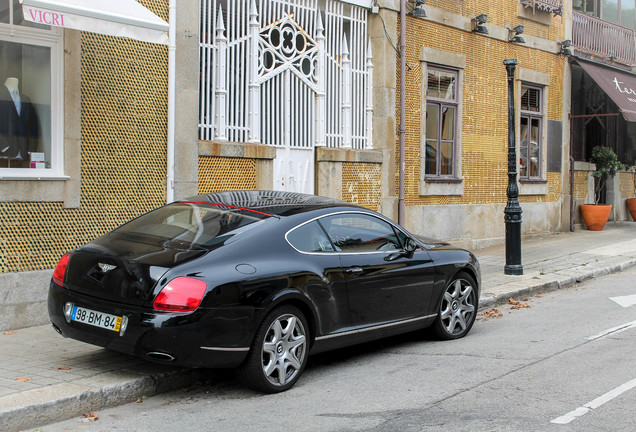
(595, 215)
(631, 206)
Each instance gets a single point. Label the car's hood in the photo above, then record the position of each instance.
(122, 269)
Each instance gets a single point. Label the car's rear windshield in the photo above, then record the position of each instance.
(188, 224)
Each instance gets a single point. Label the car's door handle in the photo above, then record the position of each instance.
(354, 270)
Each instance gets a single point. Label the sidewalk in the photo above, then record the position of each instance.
(45, 378)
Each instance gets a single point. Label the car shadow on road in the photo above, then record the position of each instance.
(370, 348)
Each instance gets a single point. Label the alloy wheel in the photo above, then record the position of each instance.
(457, 308)
(284, 349)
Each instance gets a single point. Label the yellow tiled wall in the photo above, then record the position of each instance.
(223, 173)
(361, 184)
(626, 184)
(580, 184)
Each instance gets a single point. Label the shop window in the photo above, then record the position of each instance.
(531, 133)
(441, 123)
(30, 96)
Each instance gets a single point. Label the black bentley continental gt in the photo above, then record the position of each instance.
(259, 280)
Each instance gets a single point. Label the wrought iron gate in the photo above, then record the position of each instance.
(281, 73)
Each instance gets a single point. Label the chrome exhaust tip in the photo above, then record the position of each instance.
(56, 328)
(160, 356)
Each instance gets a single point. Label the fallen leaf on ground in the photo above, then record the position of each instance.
(525, 299)
(91, 416)
(492, 313)
(62, 368)
(9, 332)
(24, 379)
(517, 305)
(140, 400)
(538, 295)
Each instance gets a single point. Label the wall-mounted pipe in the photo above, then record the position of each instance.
(402, 110)
(172, 66)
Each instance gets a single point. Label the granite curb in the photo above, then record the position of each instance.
(558, 280)
(63, 401)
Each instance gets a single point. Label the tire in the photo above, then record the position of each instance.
(279, 351)
(457, 308)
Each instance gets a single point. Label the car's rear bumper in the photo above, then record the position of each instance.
(203, 338)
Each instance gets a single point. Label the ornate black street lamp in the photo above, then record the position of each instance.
(512, 213)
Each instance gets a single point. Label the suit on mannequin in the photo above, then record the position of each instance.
(19, 125)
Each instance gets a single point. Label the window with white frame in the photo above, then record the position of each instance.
(30, 96)
(531, 133)
(441, 123)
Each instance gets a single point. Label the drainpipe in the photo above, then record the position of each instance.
(172, 65)
(571, 193)
(402, 108)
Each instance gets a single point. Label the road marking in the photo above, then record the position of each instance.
(625, 301)
(596, 403)
(614, 330)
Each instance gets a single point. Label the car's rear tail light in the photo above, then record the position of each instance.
(60, 270)
(181, 294)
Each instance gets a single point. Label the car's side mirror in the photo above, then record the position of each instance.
(410, 245)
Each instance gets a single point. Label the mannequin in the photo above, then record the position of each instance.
(19, 125)
(12, 83)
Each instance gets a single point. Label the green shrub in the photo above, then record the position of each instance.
(607, 165)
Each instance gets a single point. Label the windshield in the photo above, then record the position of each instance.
(191, 224)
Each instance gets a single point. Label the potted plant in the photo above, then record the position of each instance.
(631, 206)
(631, 202)
(607, 165)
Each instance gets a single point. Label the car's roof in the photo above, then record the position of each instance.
(276, 203)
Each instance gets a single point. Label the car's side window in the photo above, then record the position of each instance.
(360, 233)
(310, 237)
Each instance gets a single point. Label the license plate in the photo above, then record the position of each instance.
(97, 319)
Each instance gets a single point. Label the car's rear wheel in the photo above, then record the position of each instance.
(279, 352)
(457, 308)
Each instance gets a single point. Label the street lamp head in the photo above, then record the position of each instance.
(418, 10)
(478, 24)
(565, 45)
(513, 34)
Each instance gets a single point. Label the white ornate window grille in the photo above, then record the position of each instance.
(291, 73)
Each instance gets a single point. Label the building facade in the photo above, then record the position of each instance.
(456, 160)
(298, 95)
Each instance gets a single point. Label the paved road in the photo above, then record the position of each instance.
(565, 363)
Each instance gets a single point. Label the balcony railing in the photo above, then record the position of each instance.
(594, 36)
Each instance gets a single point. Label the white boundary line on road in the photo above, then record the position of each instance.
(612, 394)
(613, 330)
(625, 301)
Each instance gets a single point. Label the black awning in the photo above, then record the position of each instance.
(620, 86)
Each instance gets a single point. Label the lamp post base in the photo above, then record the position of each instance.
(514, 269)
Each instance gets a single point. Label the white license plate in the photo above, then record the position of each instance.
(97, 319)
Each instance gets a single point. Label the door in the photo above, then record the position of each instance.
(384, 282)
(288, 87)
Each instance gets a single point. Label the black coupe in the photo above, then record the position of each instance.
(258, 280)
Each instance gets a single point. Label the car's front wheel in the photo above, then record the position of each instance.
(279, 352)
(457, 308)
